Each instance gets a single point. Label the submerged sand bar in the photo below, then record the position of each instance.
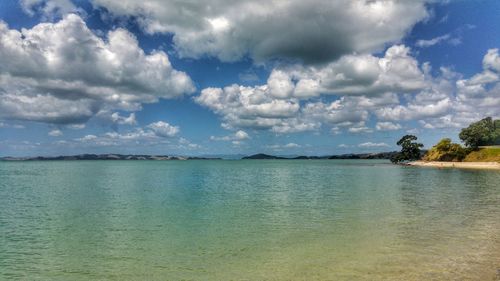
(465, 165)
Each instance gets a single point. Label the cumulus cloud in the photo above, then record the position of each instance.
(359, 129)
(450, 101)
(238, 136)
(156, 133)
(163, 129)
(274, 29)
(392, 89)
(396, 71)
(55, 133)
(362, 81)
(65, 74)
(371, 144)
(387, 126)
(252, 107)
(415, 110)
(492, 60)
(122, 120)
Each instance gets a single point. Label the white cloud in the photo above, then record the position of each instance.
(371, 144)
(252, 107)
(236, 137)
(415, 111)
(387, 126)
(360, 129)
(116, 118)
(241, 135)
(48, 8)
(492, 60)
(343, 111)
(292, 145)
(279, 147)
(396, 71)
(186, 144)
(87, 138)
(453, 38)
(274, 29)
(450, 101)
(163, 129)
(431, 42)
(55, 133)
(276, 106)
(63, 73)
(156, 133)
(77, 126)
(445, 100)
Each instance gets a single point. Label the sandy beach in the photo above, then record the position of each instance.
(464, 165)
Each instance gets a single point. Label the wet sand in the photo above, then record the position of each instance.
(465, 165)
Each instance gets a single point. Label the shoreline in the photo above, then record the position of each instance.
(462, 165)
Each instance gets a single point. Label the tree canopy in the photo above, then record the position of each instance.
(481, 133)
(445, 150)
(410, 150)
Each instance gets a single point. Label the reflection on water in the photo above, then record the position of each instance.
(220, 220)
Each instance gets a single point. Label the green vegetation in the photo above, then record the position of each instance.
(481, 133)
(445, 150)
(485, 132)
(410, 150)
(487, 154)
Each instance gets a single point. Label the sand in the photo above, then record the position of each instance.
(465, 165)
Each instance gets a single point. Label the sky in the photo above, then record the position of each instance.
(223, 77)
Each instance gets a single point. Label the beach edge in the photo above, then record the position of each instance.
(461, 165)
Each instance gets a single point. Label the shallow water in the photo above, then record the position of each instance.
(248, 219)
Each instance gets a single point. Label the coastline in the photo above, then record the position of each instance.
(462, 165)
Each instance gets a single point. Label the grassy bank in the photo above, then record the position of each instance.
(486, 154)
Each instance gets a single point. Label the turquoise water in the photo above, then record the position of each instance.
(247, 220)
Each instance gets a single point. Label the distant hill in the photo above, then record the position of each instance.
(105, 157)
(263, 156)
(382, 155)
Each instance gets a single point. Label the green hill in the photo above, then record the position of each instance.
(486, 154)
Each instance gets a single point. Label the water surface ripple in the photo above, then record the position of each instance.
(249, 219)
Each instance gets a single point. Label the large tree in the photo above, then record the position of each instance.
(483, 132)
(410, 150)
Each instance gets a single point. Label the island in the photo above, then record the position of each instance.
(106, 157)
(381, 155)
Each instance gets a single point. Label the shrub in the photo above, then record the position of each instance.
(445, 150)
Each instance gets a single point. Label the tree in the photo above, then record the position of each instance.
(445, 150)
(483, 132)
(410, 150)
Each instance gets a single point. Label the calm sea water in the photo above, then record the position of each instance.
(247, 220)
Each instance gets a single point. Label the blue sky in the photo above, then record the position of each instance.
(209, 78)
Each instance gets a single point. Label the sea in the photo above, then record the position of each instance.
(247, 220)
